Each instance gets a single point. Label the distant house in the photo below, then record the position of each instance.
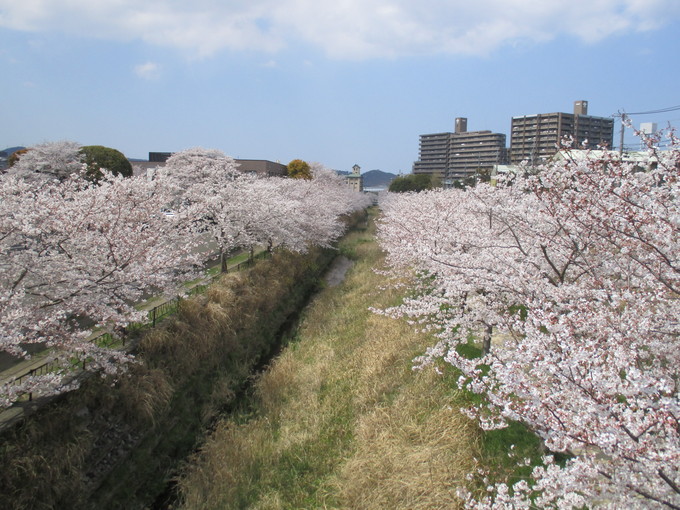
(499, 170)
(145, 167)
(354, 180)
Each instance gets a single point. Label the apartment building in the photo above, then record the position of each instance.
(461, 154)
(434, 154)
(536, 138)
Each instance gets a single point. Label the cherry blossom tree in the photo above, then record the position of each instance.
(341, 197)
(49, 161)
(310, 212)
(232, 209)
(318, 206)
(575, 271)
(238, 210)
(77, 256)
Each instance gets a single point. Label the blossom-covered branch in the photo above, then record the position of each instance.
(573, 270)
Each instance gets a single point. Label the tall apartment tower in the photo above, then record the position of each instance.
(536, 138)
(460, 154)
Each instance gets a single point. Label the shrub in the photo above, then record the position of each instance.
(98, 157)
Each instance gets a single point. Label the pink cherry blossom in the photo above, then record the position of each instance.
(569, 277)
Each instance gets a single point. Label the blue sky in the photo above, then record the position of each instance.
(341, 82)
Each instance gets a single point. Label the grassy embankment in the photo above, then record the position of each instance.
(340, 420)
(116, 445)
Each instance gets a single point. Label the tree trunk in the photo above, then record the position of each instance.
(486, 343)
(223, 262)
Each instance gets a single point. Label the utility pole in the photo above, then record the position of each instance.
(623, 127)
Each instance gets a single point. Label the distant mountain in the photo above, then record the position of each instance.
(11, 150)
(377, 179)
(4, 156)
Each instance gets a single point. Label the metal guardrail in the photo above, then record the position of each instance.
(163, 310)
(43, 369)
(106, 339)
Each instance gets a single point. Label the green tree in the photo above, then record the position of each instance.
(298, 169)
(98, 157)
(411, 182)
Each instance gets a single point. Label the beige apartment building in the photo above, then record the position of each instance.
(461, 154)
(536, 138)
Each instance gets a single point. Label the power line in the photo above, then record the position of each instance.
(661, 110)
(650, 112)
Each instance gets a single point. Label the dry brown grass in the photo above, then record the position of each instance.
(116, 445)
(341, 420)
(145, 394)
(232, 465)
(413, 453)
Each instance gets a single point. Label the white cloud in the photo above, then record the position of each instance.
(348, 29)
(148, 71)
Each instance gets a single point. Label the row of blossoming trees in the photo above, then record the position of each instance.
(77, 254)
(569, 282)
